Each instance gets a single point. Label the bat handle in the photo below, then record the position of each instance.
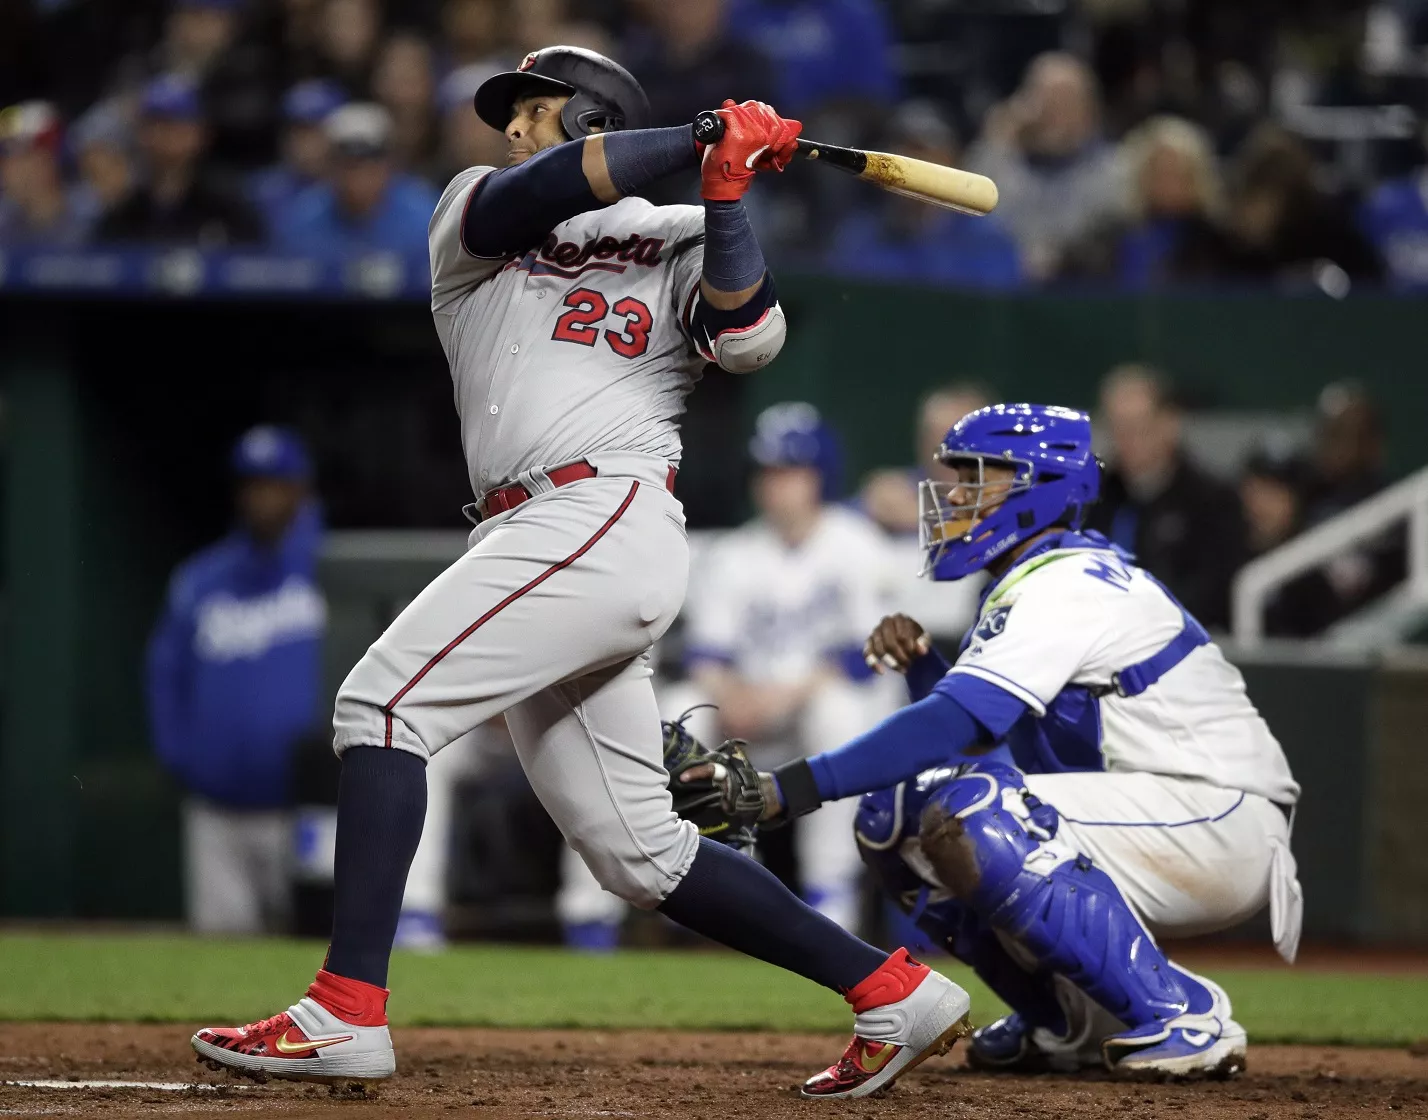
(708, 127)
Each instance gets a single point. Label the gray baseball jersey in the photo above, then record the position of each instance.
(577, 347)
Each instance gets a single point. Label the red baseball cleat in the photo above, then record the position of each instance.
(337, 1032)
(906, 1013)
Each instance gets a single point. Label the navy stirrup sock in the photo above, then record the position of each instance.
(729, 898)
(381, 807)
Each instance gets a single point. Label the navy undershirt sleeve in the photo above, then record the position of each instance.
(912, 740)
(924, 673)
(513, 208)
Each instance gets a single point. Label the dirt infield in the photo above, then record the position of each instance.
(667, 1076)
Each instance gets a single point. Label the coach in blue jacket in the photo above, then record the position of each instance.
(233, 682)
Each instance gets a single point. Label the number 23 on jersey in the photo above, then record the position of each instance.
(589, 309)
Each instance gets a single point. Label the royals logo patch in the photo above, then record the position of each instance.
(992, 624)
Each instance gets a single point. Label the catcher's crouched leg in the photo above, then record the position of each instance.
(994, 847)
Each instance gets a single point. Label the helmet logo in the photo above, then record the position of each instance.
(529, 61)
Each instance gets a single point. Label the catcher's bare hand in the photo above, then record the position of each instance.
(895, 643)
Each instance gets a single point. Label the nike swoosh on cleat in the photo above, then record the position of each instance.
(1196, 1038)
(873, 1063)
(286, 1047)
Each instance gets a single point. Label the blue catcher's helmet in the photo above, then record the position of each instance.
(793, 434)
(1056, 478)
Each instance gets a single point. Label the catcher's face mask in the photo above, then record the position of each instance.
(949, 512)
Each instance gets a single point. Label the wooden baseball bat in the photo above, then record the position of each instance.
(947, 187)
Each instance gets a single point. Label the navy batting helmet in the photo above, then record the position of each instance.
(793, 434)
(604, 96)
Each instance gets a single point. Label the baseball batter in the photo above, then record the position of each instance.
(576, 318)
(1147, 796)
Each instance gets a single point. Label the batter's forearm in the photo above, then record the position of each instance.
(734, 268)
(736, 320)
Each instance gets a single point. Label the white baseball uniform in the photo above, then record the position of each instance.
(574, 351)
(1179, 792)
(780, 615)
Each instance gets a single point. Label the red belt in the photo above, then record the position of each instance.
(509, 497)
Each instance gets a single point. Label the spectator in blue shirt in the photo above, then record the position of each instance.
(1395, 218)
(304, 149)
(368, 205)
(234, 676)
(901, 239)
(822, 51)
(36, 208)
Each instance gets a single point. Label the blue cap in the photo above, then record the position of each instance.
(268, 451)
(170, 95)
(793, 434)
(310, 102)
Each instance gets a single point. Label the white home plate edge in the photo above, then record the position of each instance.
(163, 1086)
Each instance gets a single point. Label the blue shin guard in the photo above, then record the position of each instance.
(994, 847)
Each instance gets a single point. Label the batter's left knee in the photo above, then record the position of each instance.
(640, 865)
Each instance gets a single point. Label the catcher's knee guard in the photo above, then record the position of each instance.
(887, 832)
(993, 846)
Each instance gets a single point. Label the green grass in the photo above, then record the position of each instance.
(171, 978)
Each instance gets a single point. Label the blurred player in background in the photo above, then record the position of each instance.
(1147, 798)
(889, 497)
(234, 677)
(777, 613)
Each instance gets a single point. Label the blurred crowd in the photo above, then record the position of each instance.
(1136, 143)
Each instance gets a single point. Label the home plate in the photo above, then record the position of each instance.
(163, 1086)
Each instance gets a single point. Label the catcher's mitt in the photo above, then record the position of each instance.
(725, 805)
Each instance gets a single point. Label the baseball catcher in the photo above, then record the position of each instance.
(1088, 775)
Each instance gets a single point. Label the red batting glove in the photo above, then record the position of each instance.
(783, 145)
(755, 139)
